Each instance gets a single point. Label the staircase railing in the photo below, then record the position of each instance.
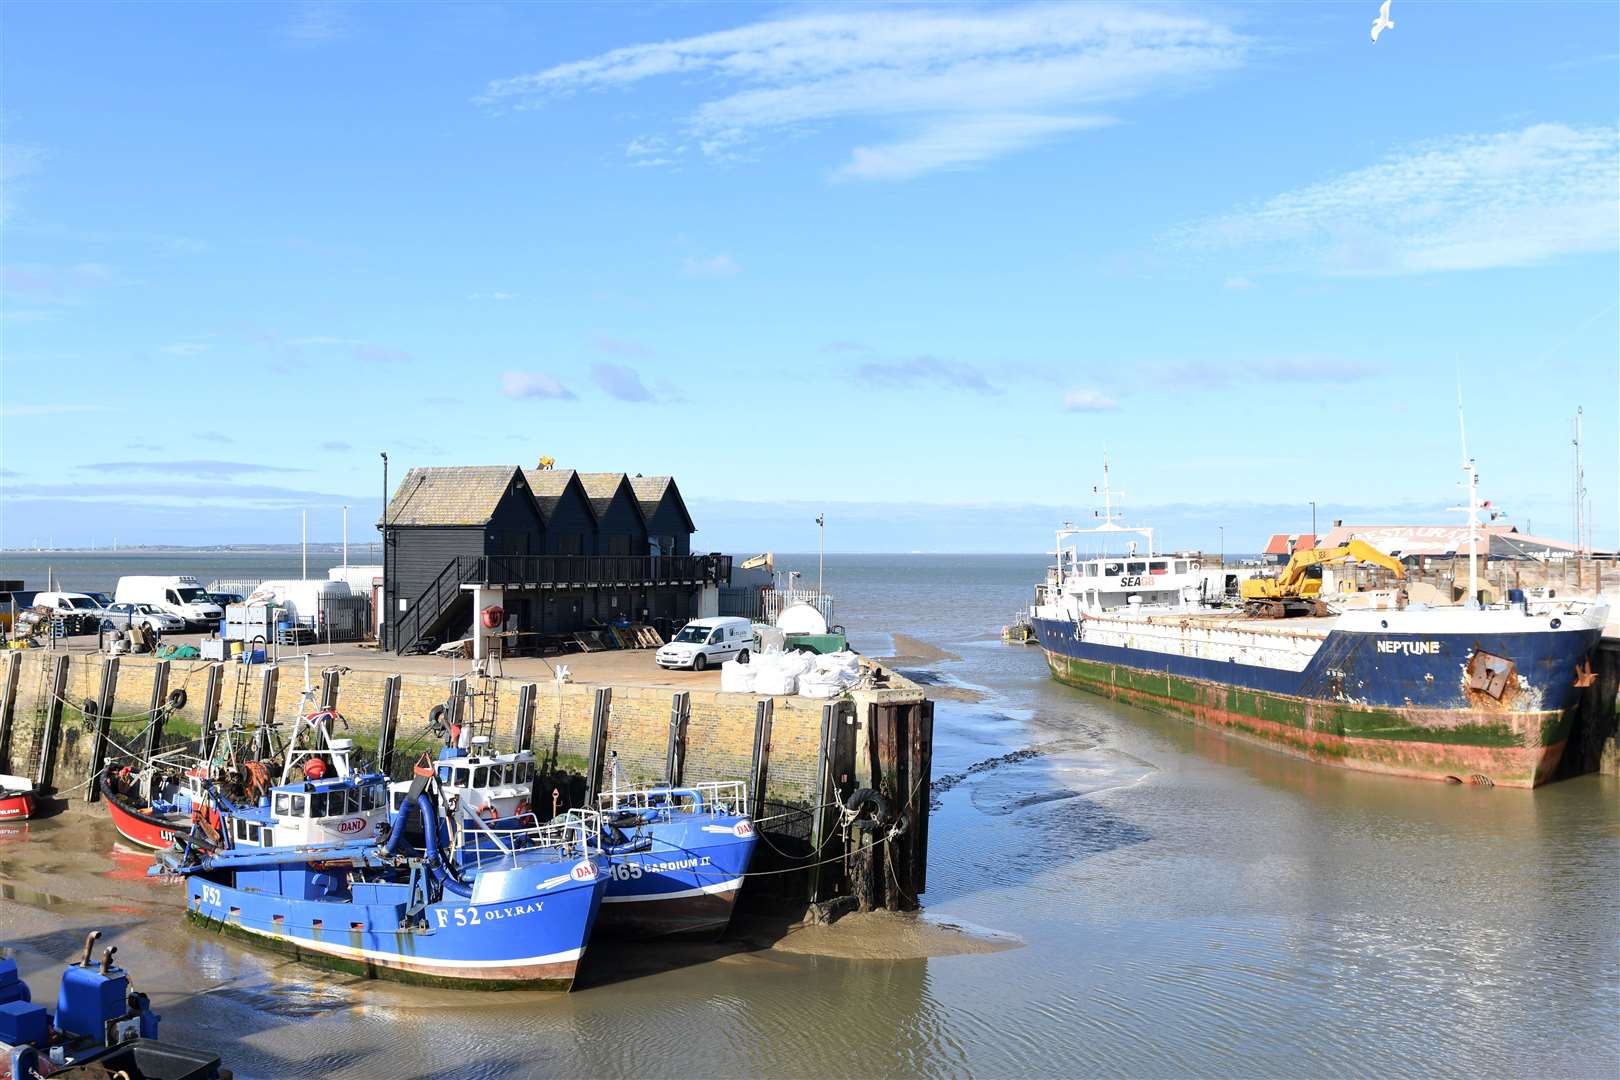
(434, 600)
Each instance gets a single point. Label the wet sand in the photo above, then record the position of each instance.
(915, 660)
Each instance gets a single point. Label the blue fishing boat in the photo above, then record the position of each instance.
(679, 857)
(102, 1028)
(316, 870)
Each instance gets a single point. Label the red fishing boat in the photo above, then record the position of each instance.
(16, 798)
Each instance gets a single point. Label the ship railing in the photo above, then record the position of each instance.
(576, 834)
(665, 802)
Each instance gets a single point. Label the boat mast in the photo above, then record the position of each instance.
(1471, 478)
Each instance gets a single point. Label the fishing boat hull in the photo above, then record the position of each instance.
(16, 807)
(1399, 703)
(685, 884)
(521, 934)
(137, 825)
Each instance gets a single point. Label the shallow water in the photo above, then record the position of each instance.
(1188, 906)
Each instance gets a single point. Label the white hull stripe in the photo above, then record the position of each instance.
(400, 959)
(705, 890)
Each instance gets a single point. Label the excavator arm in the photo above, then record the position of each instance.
(1294, 583)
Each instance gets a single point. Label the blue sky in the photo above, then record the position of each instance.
(805, 257)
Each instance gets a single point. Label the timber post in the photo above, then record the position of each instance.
(456, 708)
(759, 768)
(98, 739)
(601, 709)
(53, 724)
(8, 707)
(388, 723)
(680, 714)
(210, 706)
(523, 724)
(837, 732)
(156, 707)
(331, 685)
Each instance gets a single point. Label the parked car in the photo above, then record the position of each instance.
(182, 596)
(705, 642)
(102, 598)
(124, 616)
(80, 612)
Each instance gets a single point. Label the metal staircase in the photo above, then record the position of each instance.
(430, 612)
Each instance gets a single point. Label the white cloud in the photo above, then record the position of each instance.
(184, 348)
(16, 161)
(1088, 401)
(957, 142)
(316, 24)
(721, 265)
(1467, 202)
(956, 85)
(1239, 283)
(20, 409)
(533, 384)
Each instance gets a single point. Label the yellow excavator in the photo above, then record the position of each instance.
(1296, 591)
(767, 560)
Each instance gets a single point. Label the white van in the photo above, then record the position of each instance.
(704, 642)
(80, 610)
(182, 597)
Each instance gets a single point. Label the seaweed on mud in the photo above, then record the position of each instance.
(950, 780)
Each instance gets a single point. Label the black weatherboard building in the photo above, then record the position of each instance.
(563, 550)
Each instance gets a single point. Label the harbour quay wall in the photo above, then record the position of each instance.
(65, 713)
(719, 727)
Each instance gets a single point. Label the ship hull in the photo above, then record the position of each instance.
(685, 884)
(1405, 713)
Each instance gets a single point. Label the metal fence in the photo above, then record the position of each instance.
(343, 618)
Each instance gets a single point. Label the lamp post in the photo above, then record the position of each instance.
(383, 619)
(821, 554)
(1222, 530)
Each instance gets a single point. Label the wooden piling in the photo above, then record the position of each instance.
(267, 695)
(46, 774)
(523, 723)
(759, 768)
(455, 709)
(922, 768)
(98, 740)
(388, 723)
(331, 685)
(837, 733)
(157, 708)
(601, 709)
(209, 712)
(8, 707)
(680, 714)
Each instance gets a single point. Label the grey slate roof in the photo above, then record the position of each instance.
(600, 487)
(547, 486)
(649, 492)
(450, 495)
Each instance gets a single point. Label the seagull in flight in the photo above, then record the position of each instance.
(1383, 22)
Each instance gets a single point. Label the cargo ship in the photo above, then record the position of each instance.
(1363, 680)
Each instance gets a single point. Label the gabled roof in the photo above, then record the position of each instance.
(651, 491)
(603, 487)
(1288, 543)
(450, 495)
(548, 486)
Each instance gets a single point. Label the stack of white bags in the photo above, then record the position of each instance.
(792, 672)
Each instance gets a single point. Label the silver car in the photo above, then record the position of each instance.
(124, 616)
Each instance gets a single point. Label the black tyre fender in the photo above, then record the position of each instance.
(436, 717)
(176, 699)
(861, 798)
(89, 709)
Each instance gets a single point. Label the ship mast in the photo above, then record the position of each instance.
(1470, 478)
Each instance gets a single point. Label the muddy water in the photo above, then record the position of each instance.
(1187, 906)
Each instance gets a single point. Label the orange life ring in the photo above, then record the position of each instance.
(487, 812)
(523, 808)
